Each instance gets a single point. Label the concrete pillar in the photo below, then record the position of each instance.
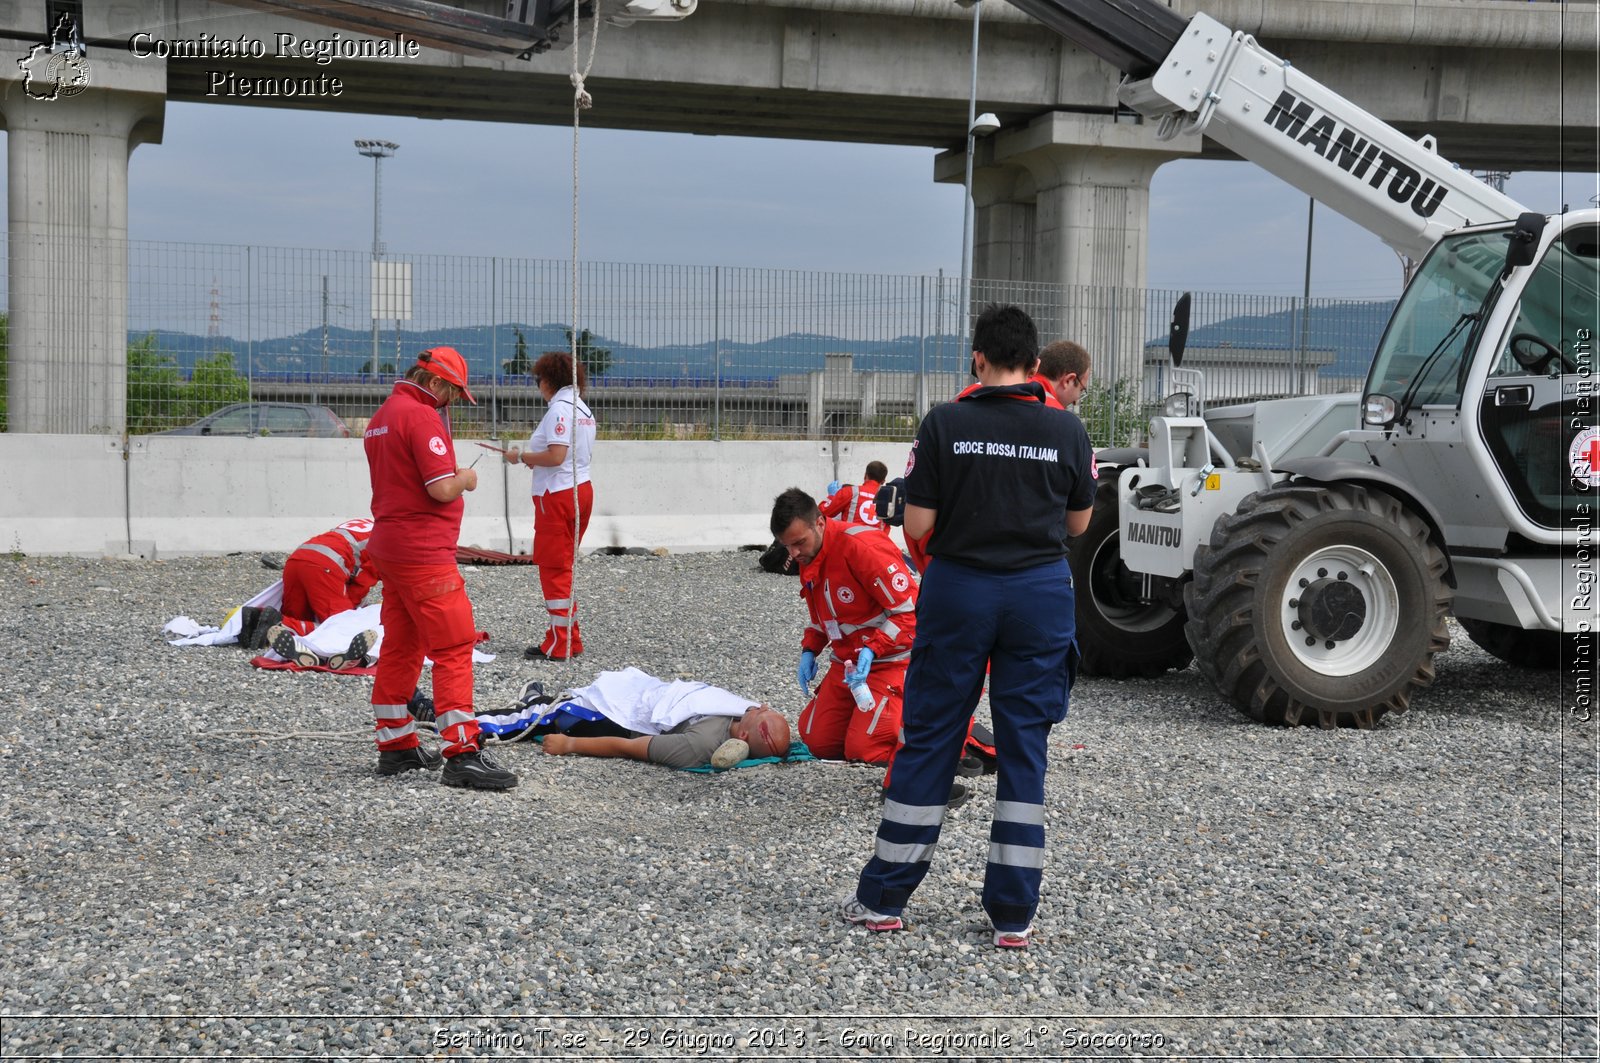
(68, 230)
(1003, 220)
(869, 396)
(1062, 227)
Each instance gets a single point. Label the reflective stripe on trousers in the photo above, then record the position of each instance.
(1020, 625)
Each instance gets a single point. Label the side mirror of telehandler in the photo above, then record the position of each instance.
(1178, 335)
(1524, 239)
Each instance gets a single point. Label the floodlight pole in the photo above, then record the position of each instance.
(377, 151)
(966, 201)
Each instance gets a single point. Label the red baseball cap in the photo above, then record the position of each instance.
(447, 364)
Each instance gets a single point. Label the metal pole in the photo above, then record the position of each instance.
(922, 347)
(377, 150)
(716, 337)
(324, 374)
(377, 192)
(249, 319)
(1305, 305)
(1116, 353)
(494, 357)
(966, 202)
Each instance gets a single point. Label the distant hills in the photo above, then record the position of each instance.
(1352, 330)
(487, 348)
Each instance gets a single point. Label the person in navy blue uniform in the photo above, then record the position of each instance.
(1002, 481)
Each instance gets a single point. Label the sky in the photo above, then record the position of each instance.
(252, 175)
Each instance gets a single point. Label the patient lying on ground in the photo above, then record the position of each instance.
(634, 715)
(720, 741)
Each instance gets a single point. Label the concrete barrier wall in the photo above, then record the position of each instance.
(63, 495)
(177, 495)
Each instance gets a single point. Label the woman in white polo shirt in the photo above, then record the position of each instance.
(563, 497)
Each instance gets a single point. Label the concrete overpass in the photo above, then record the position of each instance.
(1483, 77)
(1062, 191)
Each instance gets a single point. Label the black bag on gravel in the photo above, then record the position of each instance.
(775, 559)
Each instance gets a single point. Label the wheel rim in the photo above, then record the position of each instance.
(1339, 610)
(1112, 599)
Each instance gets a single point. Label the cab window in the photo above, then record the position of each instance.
(1558, 307)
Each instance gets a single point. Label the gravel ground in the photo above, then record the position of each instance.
(175, 886)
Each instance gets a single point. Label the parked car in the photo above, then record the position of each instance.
(282, 419)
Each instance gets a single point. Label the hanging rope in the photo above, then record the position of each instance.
(581, 101)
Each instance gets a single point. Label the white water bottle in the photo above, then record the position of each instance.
(863, 695)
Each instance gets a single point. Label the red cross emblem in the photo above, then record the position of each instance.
(1583, 457)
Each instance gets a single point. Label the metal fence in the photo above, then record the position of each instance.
(673, 351)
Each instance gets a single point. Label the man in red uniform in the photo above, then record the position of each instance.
(416, 510)
(854, 502)
(862, 602)
(325, 575)
(1063, 369)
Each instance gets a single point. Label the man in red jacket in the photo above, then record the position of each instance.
(323, 576)
(416, 509)
(854, 502)
(862, 602)
(327, 575)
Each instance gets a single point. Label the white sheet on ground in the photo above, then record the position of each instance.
(332, 636)
(641, 702)
(194, 634)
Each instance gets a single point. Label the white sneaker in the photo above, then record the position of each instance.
(1013, 939)
(285, 645)
(356, 654)
(859, 914)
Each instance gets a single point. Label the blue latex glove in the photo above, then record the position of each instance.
(857, 673)
(833, 488)
(807, 671)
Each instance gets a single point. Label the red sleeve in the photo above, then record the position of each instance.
(883, 572)
(918, 549)
(815, 639)
(356, 590)
(431, 447)
(836, 504)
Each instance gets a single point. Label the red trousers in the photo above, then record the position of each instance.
(425, 612)
(553, 545)
(833, 728)
(313, 590)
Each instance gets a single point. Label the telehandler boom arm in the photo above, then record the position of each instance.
(1198, 76)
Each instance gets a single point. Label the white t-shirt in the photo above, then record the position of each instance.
(556, 429)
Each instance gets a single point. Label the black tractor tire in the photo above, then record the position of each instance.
(1319, 604)
(1525, 649)
(1118, 635)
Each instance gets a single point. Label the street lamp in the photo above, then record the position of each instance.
(977, 126)
(377, 151)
